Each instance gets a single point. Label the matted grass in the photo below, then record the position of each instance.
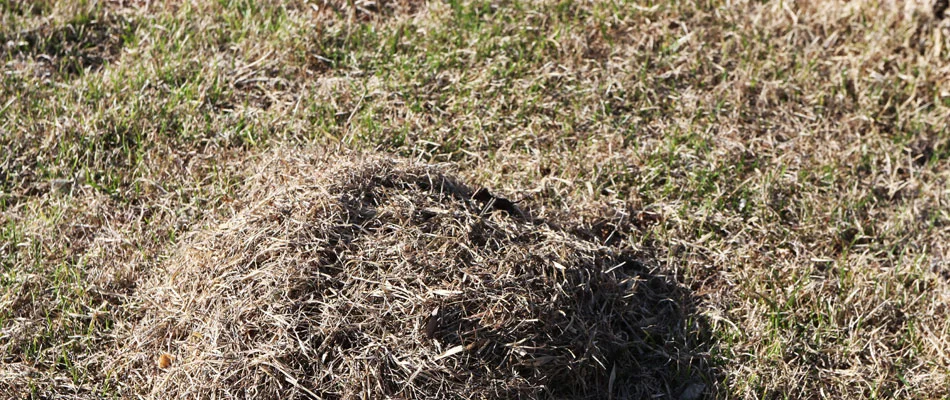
(373, 278)
(782, 165)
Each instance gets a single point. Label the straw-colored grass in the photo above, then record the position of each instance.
(372, 278)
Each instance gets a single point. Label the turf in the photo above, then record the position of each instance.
(784, 165)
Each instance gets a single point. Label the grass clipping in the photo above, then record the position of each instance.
(380, 278)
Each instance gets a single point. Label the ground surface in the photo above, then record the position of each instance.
(786, 163)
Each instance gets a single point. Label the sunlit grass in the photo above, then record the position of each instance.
(795, 156)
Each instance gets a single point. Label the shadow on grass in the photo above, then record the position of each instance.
(603, 322)
(68, 50)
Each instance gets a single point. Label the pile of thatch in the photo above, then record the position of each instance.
(379, 278)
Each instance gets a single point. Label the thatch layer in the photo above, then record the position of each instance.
(380, 278)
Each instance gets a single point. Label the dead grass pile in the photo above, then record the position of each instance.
(382, 278)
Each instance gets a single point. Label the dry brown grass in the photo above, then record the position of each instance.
(362, 277)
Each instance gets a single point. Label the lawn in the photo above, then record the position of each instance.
(784, 165)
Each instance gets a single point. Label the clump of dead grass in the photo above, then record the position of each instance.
(365, 277)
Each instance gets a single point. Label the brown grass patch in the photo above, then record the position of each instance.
(363, 276)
